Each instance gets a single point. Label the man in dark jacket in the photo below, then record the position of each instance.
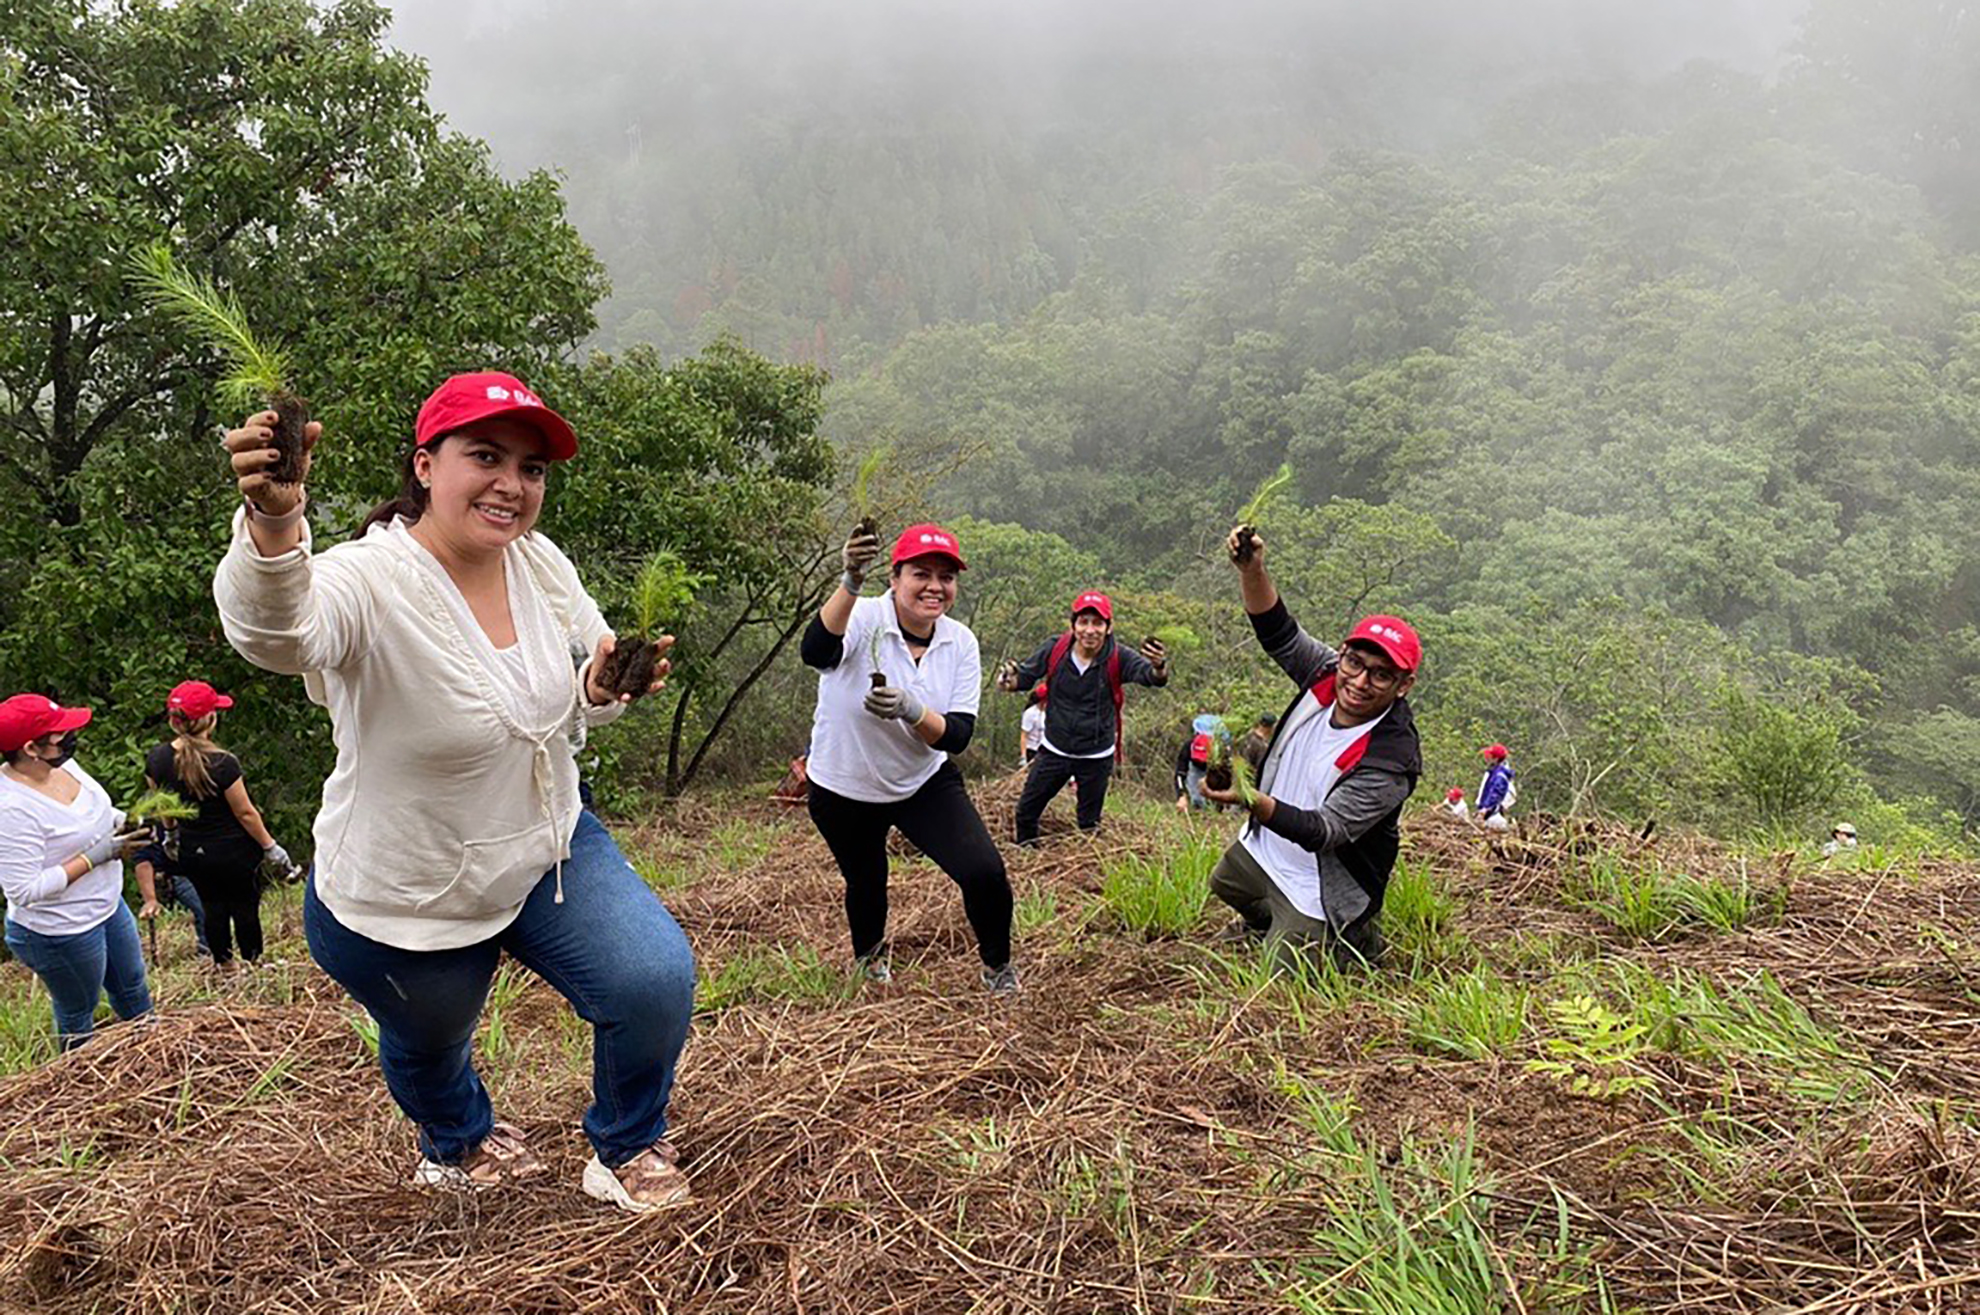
(1084, 672)
(1313, 863)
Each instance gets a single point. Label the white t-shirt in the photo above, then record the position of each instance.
(1308, 766)
(1032, 725)
(37, 836)
(879, 760)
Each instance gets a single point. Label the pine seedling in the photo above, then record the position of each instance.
(160, 806)
(1241, 778)
(1261, 502)
(663, 591)
(258, 372)
(873, 657)
(862, 488)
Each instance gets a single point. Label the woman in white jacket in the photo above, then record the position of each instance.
(445, 643)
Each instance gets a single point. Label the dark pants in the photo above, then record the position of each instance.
(1240, 882)
(224, 874)
(941, 822)
(611, 949)
(230, 918)
(1049, 774)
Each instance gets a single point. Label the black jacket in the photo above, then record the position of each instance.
(1355, 834)
(1079, 707)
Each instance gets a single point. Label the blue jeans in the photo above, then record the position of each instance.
(611, 949)
(78, 968)
(187, 897)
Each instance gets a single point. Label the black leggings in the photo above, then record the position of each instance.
(224, 874)
(940, 821)
(1049, 774)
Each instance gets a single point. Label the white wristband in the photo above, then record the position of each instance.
(267, 522)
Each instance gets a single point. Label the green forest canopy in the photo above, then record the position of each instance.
(1646, 383)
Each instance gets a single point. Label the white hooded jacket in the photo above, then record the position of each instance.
(452, 794)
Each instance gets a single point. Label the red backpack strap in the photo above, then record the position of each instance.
(1119, 692)
(1060, 648)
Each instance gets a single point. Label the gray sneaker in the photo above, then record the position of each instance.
(873, 968)
(1001, 981)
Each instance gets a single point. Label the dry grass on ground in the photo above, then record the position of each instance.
(1597, 1073)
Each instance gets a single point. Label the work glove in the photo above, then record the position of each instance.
(277, 857)
(892, 701)
(1007, 677)
(859, 553)
(112, 844)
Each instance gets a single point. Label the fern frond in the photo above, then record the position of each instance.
(257, 370)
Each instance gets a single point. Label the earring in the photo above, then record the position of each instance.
(426, 484)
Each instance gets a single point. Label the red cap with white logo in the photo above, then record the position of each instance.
(193, 699)
(1094, 601)
(1393, 636)
(466, 398)
(1496, 752)
(28, 717)
(928, 541)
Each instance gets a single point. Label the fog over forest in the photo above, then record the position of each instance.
(1612, 320)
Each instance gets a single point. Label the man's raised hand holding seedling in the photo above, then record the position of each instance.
(1314, 861)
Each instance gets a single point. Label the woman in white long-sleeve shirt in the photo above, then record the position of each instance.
(61, 867)
(442, 640)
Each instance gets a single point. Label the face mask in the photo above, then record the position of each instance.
(65, 749)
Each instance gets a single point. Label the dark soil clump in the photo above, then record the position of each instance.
(291, 418)
(631, 666)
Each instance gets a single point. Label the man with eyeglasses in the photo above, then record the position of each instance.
(1313, 862)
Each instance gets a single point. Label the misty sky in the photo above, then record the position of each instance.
(569, 69)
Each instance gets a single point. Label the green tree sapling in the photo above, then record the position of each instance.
(1254, 511)
(257, 373)
(663, 591)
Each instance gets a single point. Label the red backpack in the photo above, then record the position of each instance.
(1063, 647)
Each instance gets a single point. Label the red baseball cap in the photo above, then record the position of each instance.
(466, 398)
(1094, 601)
(1498, 751)
(928, 541)
(195, 699)
(1393, 636)
(1455, 795)
(1039, 690)
(28, 717)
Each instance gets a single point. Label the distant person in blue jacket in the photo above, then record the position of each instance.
(1496, 792)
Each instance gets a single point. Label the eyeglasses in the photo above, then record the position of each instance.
(1383, 677)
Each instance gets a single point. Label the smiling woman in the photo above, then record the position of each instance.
(441, 641)
(882, 736)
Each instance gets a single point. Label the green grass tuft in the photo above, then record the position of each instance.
(1161, 896)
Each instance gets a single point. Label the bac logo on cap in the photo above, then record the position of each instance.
(497, 393)
(1388, 632)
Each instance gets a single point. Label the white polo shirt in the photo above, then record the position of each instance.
(879, 760)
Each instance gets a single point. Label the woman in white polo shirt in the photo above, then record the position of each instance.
(61, 866)
(898, 687)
